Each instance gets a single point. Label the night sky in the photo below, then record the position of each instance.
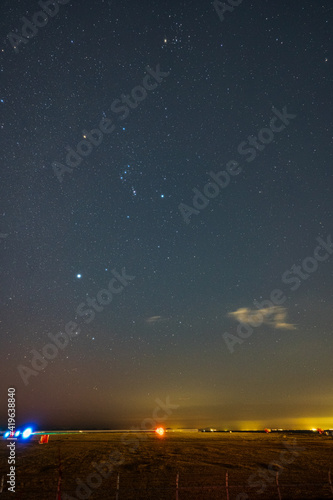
(178, 95)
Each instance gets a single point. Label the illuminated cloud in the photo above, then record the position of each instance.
(274, 316)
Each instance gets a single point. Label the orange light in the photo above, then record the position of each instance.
(44, 439)
(160, 431)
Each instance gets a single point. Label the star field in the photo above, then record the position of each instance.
(116, 206)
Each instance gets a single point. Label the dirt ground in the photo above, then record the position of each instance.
(147, 467)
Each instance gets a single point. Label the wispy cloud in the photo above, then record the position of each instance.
(274, 316)
(155, 319)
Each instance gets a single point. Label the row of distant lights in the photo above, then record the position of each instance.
(25, 434)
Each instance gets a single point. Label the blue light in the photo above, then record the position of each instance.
(6, 434)
(79, 276)
(17, 433)
(27, 433)
(162, 195)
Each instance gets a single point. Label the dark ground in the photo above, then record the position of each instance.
(150, 465)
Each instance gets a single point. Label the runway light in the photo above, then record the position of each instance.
(160, 431)
(27, 433)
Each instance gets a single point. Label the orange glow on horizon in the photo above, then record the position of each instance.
(160, 431)
(298, 423)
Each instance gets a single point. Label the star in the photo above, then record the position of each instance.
(79, 276)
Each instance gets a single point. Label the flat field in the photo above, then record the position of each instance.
(147, 466)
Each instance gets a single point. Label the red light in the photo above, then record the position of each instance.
(160, 431)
